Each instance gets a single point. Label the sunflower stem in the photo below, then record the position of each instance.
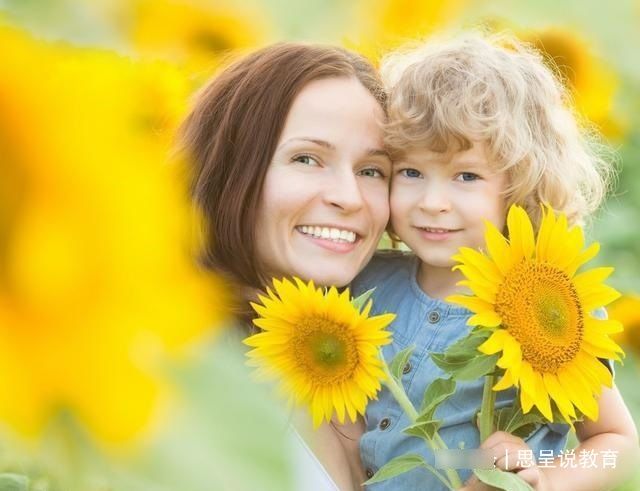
(436, 443)
(485, 418)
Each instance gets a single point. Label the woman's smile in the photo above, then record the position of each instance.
(336, 239)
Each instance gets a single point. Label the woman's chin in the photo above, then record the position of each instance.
(329, 276)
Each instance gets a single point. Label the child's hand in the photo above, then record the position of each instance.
(502, 444)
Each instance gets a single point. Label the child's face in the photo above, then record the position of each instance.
(439, 201)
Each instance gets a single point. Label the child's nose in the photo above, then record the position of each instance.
(435, 200)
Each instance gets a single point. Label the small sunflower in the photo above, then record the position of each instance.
(322, 348)
(540, 311)
(626, 310)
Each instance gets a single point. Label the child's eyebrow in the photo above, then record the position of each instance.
(470, 163)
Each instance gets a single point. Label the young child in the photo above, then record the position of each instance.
(475, 124)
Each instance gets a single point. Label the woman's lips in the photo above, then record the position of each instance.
(335, 244)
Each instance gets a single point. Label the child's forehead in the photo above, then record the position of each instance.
(477, 154)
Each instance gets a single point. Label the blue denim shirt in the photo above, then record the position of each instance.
(430, 325)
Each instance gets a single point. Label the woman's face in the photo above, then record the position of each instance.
(325, 199)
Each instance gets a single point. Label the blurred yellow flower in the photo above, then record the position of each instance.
(382, 25)
(322, 348)
(96, 272)
(194, 32)
(591, 80)
(626, 310)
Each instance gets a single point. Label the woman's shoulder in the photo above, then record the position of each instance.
(386, 266)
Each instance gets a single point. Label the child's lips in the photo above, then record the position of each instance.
(437, 233)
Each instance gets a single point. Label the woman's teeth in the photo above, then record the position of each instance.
(328, 233)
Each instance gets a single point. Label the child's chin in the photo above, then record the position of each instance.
(431, 261)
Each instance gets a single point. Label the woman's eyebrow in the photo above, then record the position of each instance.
(321, 143)
(377, 152)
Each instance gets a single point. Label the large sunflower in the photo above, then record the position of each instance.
(527, 291)
(322, 348)
(96, 280)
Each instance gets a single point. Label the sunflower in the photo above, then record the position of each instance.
(322, 348)
(626, 310)
(94, 240)
(380, 26)
(196, 33)
(540, 311)
(592, 81)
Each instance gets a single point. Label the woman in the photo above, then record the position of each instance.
(292, 178)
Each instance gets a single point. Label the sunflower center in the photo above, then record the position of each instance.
(540, 308)
(325, 350)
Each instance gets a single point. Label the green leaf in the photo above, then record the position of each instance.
(424, 428)
(502, 480)
(399, 361)
(467, 347)
(466, 368)
(397, 466)
(448, 365)
(477, 367)
(438, 391)
(13, 482)
(512, 420)
(360, 301)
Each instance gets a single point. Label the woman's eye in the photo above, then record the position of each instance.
(467, 177)
(305, 159)
(412, 173)
(371, 172)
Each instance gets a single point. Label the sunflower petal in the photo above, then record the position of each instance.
(599, 296)
(542, 397)
(495, 343)
(487, 319)
(475, 304)
(553, 387)
(505, 382)
(520, 233)
(584, 257)
(498, 248)
(544, 234)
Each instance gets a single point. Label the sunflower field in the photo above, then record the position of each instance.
(115, 367)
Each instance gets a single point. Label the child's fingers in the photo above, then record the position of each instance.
(500, 437)
(506, 455)
(531, 476)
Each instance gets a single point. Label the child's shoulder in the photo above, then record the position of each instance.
(390, 267)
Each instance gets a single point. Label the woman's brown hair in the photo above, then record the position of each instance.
(231, 134)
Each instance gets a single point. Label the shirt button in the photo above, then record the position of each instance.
(384, 424)
(434, 316)
(369, 472)
(407, 368)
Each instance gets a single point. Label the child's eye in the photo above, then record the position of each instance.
(371, 172)
(467, 177)
(411, 173)
(305, 159)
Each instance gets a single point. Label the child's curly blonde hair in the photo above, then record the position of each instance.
(498, 89)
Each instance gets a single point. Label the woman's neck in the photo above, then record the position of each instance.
(438, 282)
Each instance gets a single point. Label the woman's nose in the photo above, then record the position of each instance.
(344, 192)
